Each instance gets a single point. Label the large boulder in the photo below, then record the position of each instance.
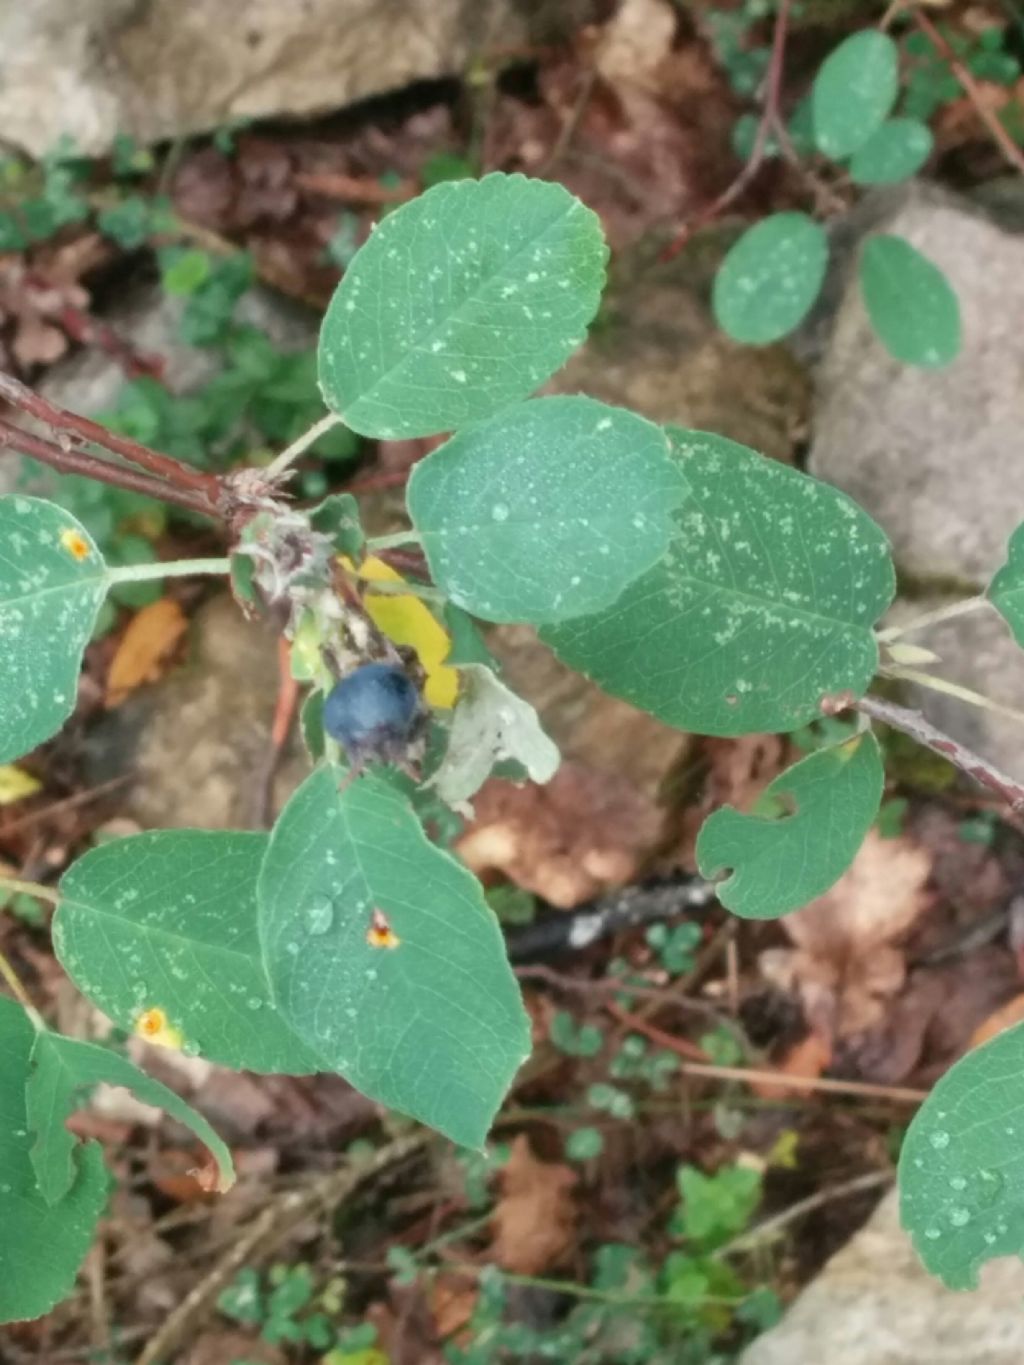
(937, 456)
(161, 69)
(875, 1304)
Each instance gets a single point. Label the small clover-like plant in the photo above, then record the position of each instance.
(718, 590)
(773, 274)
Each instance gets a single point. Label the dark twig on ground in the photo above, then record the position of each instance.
(768, 121)
(267, 1231)
(633, 905)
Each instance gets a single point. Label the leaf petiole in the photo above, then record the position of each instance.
(932, 618)
(176, 568)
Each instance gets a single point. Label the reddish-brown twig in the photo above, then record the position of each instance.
(59, 420)
(913, 723)
(750, 1075)
(72, 461)
(769, 118)
(1011, 152)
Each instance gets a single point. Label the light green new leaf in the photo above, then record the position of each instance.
(167, 921)
(52, 584)
(547, 511)
(60, 1069)
(490, 724)
(770, 278)
(910, 302)
(41, 1245)
(896, 150)
(461, 303)
(385, 957)
(762, 605)
(801, 837)
(854, 92)
(961, 1172)
(1006, 591)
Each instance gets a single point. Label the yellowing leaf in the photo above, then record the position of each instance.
(15, 785)
(407, 621)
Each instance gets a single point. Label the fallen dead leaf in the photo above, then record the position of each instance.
(535, 1217)
(846, 964)
(1003, 1018)
(581, 834)
(452, 1302)
(145, 646)
(807, 1059)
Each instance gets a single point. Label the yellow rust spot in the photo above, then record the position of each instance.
(156, 1028)
(75, 543)
(380, 933)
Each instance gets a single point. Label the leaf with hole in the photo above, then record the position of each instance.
(52, 585)
(854, 92)
(460, 304)
(763, 604)
(547, 511)
(385, 958)
(1006, 591)
(42, 1245)
(490, 724)
(60, 1069)
(893, 152)
(167, 921)
(770, 278)
(801, 836)
(962, 1163)
(910, 302)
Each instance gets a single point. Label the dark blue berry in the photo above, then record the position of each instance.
(372, 713)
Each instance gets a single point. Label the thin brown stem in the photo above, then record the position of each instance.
(769, 117)
(1011, 152)
(914, 724)
(71, 461)
(162, 466)
(751, 1075)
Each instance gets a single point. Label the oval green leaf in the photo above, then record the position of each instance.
(961, 1172)
(64, 1067)
(910, 302)
(385, 958)
(802, 835)
(42, 1245)
(461, 303)
(896, 150)
(167, 920)
(1006, 591)
(52, 584)
(762, 605)
(770, 278)
(547, 511)
(854, 92)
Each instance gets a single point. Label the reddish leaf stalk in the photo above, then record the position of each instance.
(71, 461)
(769, 119)
(914, 724)
(162, 466)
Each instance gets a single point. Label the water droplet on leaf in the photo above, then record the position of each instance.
(319, 915)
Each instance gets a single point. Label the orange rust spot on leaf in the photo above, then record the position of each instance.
(156, 1028)
(75, 543)
(380, 933)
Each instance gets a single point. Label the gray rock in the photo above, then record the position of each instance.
(874, 1304)
(934, 455)
(160, 69)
